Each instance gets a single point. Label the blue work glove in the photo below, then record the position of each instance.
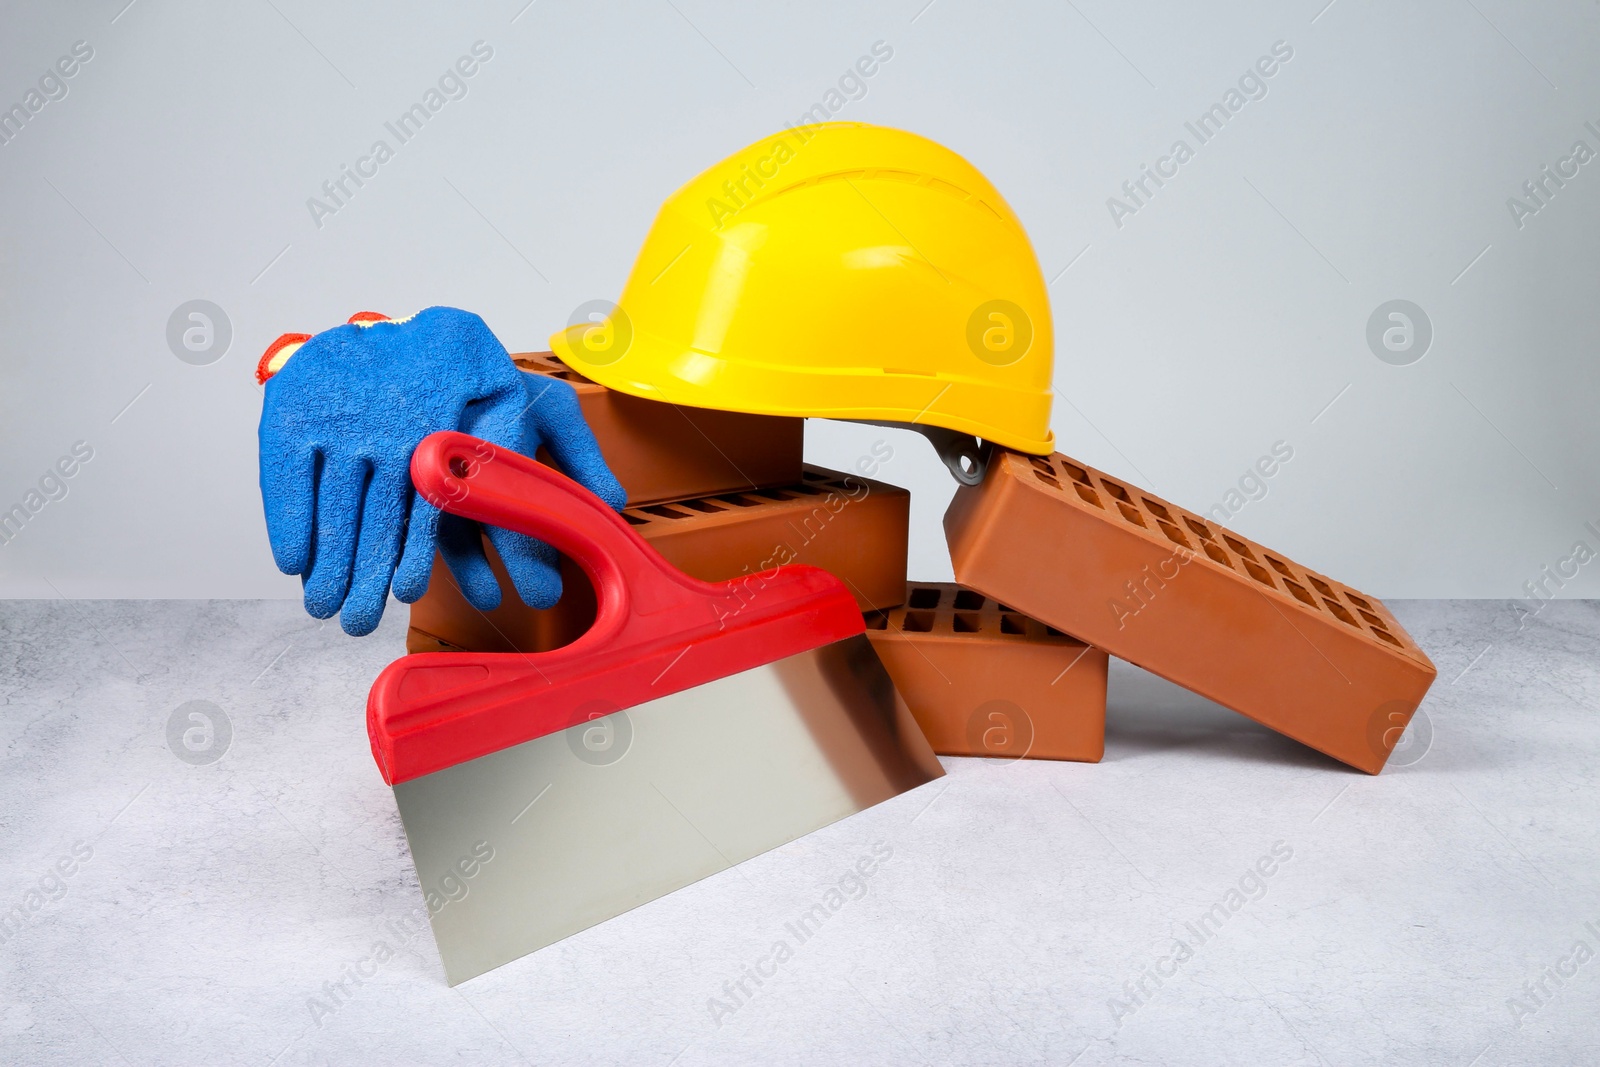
(552, 419)
(338, 427)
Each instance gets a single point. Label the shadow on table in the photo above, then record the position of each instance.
(1146, 714)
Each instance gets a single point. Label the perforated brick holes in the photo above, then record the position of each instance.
(549, 364)
(1222, 547)
(945, 610)
(815, 485)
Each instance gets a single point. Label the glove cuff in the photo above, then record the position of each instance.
(279, 351)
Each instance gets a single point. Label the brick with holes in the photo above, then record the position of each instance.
(852, 526)
(984, 680)
(658, 452)
(1181, 597)
(664, 451)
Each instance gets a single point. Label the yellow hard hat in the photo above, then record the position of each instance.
(842, 271)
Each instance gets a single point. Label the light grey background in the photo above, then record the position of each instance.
(1227, 314)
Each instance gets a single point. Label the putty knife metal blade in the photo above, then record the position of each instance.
(695, 726)
(585, 824)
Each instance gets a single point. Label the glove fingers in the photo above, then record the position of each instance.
(338, 521)
(288, 497)
(416, 562)
(383, 513)
(461, 546)
(531, 564)
(557, 422)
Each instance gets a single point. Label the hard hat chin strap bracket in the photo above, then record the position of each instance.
(966, 457)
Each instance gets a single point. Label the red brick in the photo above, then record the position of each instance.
(663, 451)
(1190, 601)
(984, 680)
(852, 526)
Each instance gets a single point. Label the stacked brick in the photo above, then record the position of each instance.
(1060, 567)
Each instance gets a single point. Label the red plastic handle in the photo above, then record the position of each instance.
(477, 480)
(656, 631)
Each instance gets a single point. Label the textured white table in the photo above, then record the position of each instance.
(1022, 905)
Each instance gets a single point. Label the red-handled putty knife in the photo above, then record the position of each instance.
(696, 724)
